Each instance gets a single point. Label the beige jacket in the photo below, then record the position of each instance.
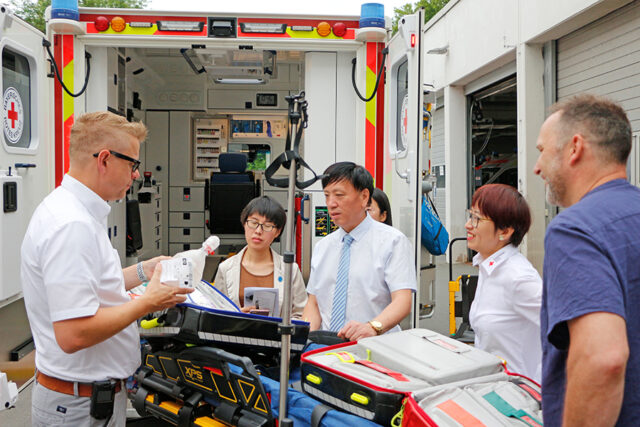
(227, 281)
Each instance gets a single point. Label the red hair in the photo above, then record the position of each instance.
(506, 207)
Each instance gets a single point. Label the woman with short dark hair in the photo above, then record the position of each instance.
(505, 313)
(257, 265)
(379, 207)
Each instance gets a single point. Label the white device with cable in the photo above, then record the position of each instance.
(185, 268)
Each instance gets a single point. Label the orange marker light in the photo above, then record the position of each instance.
(413, 40)
(339, 29)
(101, 23)
(118, 24)
(323, 29)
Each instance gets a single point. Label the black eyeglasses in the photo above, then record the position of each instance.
(253, 224)
(134, 166)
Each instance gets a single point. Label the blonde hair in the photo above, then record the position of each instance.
(92, 132)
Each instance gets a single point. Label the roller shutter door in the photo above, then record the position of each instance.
(603, 58)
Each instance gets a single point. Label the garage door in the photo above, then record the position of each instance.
(603, 58)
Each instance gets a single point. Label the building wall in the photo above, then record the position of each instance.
(482, 37)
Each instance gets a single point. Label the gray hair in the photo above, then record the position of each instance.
(603, 122)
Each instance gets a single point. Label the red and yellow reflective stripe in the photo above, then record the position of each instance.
(64, 108)
(370, 109)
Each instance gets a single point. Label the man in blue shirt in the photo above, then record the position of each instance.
(590, 314)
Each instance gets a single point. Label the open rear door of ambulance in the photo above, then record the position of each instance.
(403, 173)
(26, 155)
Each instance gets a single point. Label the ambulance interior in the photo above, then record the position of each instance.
(198, 105)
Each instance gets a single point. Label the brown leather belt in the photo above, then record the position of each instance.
(66, 387)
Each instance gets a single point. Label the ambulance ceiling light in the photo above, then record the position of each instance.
(230, 81)
(263, 27)
(187, 26)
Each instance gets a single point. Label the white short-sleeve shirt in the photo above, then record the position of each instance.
(381, 262)
(505, 313)
(69, 270)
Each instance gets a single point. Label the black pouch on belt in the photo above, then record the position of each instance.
(102, 399)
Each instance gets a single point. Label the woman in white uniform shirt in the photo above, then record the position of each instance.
(505, 313)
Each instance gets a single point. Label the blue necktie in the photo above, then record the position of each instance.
(339, 308)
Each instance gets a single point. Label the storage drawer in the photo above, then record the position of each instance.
(186, 199)
(174, 248)
(186, 219)
(186, 235)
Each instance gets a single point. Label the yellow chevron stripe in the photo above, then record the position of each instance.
(371, 105)
(67, 101)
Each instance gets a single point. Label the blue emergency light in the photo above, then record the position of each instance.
(64, 9)
(372, 15)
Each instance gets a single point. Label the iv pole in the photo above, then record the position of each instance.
(297, 111)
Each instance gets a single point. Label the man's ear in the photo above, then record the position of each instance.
(576, 148)
(101, 161)
(366, 197)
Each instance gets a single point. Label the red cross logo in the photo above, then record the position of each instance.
(491, 264)
(12, 115)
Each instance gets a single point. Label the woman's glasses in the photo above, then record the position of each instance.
(474, 218)
(253, 224)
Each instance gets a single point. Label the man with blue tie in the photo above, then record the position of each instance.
(363, 274)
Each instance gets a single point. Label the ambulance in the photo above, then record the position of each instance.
(206, 84)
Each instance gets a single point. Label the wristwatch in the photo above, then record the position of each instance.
(376, 325)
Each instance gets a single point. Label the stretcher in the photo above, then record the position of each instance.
(210, 318)
(205, 386)
(416, 377)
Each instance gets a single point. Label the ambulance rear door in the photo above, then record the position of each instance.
(403, 174)
(26, 161)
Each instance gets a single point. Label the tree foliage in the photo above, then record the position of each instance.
(431, 7)
(32, 11)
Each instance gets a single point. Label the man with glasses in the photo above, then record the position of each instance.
(591, 282)
(75, 291)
